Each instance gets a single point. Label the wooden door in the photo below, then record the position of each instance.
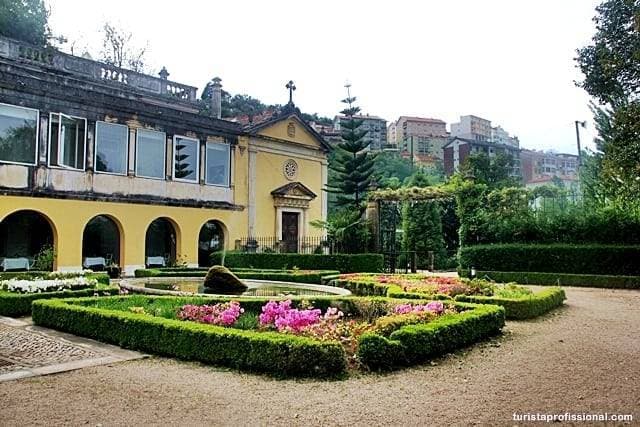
(290, 231)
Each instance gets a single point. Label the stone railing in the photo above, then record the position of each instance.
(53, 58)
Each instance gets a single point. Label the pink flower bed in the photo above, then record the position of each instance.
(450, 286)
(223, 314)
(435, 307)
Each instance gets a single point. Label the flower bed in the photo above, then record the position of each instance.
(18, 292)
(296, 276)
(323, 336)
(518, 301)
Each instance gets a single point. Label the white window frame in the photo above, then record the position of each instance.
(164, 155)
(173, 160)
(37, 136)
(228, 184)
(84, 160)
(95, 150)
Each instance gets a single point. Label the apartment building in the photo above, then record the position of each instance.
(457, 150)
(542, 166)
(376, 128)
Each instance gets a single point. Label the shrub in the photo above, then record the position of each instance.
(345, 263)
(268, 352)
(557, 258)
(300, 276)
(415, 343)
(15, 305)
(561, 279)
(521, 308)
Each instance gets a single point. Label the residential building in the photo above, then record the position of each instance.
(376, 128)
(330, 135)
(420, 136)
(501, 136)
(111, 166)
(542, 166)
(473, 128)
(458, 149)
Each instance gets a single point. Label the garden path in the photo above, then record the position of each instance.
(583, 357)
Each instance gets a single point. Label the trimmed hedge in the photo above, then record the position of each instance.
(522, 308)
(311, 276)
(344, 263)
(15, 304)
(575, 259)
(373, 288)
(561, 279)
(416, 343)
(268, 352)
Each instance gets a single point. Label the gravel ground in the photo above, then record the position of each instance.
(581, 358)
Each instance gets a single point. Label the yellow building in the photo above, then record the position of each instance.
(110, 166)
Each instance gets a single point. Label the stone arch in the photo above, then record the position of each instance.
(25, 234)
(162, 239)
(211, 238)
(103, 237)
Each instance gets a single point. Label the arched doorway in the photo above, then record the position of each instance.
(160, 243)
(27, 241)
(101, 243)
(210, 240)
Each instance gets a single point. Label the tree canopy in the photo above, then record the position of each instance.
(494, 172)
(25, 20)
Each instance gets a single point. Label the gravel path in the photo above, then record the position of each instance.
(581, 358)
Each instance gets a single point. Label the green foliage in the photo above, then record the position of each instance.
(352, 164)
(415, 343)
(422, 231)
(391, 169)
(562, 279)
(494, 172)
(553, 258)
(267, 352)
(412, 193)
(301, 276)
(45, 258)
(346, 230)
(345, 263)
(14, 304)
(386, 325)
(524, 307)
(25, 20)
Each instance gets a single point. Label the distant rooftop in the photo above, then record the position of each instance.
(422, 119)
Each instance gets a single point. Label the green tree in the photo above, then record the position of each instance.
(353, 163)
(25, 20)
(391, 169)
(422, 231)
(494, 172)
(611, 67)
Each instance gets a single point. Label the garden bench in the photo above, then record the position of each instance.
(13, 264)
(93, 262)
(156, 261)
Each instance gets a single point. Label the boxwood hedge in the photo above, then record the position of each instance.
(522, 308)
(344, 263)
(553, 258)
(561, 279)
(14, 304)
(363, 287)
(303, 276)
(268, 352)
(415, 343)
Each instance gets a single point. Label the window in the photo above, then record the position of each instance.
(112, 148)
(67, 141)
(186, 156)
(18, 134)
(150, 153)
(218, 160)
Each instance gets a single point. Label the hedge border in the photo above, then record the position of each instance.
(535, 305)
(311, 276)
(344, 263)
(269, 352)
(561, 279)
(416, 343)
(14, 304)
(373, 288)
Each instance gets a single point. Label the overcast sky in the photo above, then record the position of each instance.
(510, 61)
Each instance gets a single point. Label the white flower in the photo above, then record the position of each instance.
(46, 285)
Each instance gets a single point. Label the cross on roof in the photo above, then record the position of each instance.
(291, 88)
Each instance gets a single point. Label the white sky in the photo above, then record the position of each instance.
(510, 61)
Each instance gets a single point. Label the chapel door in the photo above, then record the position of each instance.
(290, 231)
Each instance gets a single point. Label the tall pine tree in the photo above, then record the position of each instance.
(353, 164)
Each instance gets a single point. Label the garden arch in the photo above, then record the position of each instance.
(102, 242)
(28, 240)
(161, 243)
(210, 239)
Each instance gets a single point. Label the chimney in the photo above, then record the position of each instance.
(216, 97)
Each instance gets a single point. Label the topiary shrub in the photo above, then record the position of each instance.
(220, 280)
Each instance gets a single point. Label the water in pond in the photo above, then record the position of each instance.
(255, 289)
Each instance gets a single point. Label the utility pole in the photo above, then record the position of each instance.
(584, 125)
(412, 154)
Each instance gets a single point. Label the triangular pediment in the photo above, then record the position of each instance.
(291, 127)
(294, 190)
